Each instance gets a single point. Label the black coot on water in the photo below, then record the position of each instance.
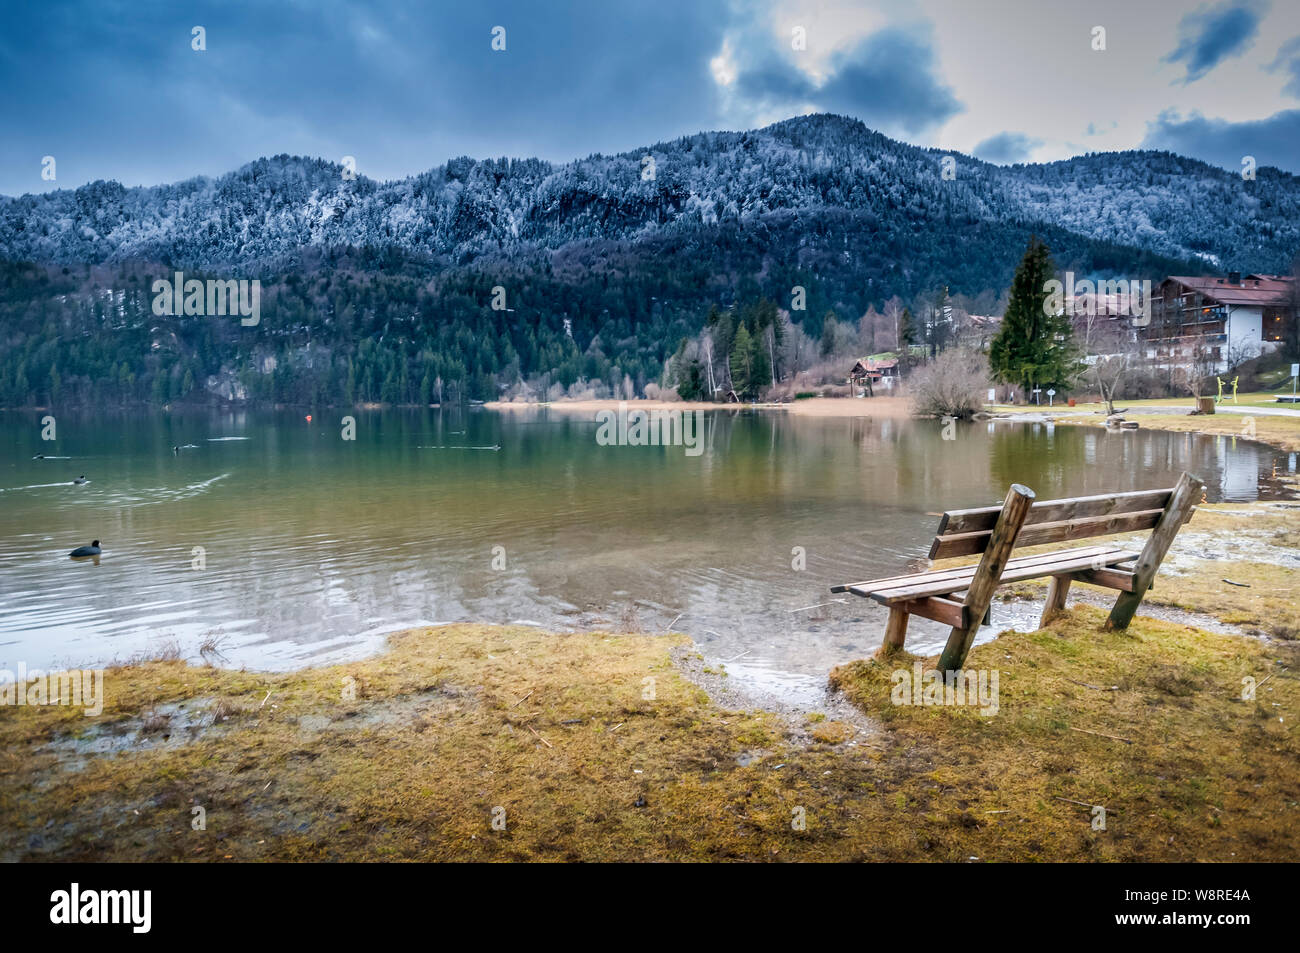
(91, 550)
(80, 480)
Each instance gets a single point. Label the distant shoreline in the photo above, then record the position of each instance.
(811, 407)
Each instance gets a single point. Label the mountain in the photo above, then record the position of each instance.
(807, 166)
(381, 290)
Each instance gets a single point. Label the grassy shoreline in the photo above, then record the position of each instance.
(1282, 432)
(1277, 430)
(598, 746)
(883, 406)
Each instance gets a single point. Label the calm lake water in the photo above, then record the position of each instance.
(314, 547)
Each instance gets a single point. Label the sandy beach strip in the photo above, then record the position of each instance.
(812, 407)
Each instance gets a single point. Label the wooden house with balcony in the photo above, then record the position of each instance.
(869, 373)
(1224, 320)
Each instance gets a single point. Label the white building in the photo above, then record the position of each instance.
(1230, 319)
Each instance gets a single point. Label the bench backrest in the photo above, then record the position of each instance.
(967, 532)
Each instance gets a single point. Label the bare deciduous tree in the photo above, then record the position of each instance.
(952, 385)
(893, 323)
(1195, 375)
(1113, 351)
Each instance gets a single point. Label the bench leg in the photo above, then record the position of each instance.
(1057, 587)
(979, 595)
(1185, 496)
(895, 632)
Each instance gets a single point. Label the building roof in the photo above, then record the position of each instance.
(869, 365)
(1258, 290)
(1117, 305)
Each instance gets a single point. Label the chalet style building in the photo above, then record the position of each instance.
(871, 373)
(1229, 319)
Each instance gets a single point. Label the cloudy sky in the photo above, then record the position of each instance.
(113, 89)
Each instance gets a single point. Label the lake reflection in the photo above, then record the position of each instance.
(312, 547)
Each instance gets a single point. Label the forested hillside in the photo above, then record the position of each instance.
(382, 291)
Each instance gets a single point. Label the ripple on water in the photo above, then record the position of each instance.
(313, 547)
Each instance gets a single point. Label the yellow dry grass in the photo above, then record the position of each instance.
(410, 755)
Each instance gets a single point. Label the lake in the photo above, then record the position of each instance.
(288, 545)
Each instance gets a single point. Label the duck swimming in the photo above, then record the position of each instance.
(39, 456)
(91, 550)
(80, 480)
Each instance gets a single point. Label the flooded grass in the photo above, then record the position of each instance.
(596, 747)
(600, 746)
(1279, 431)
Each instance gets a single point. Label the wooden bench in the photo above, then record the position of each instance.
(994, 531)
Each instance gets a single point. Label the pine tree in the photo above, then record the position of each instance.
(694, 386)
(906, 330)
(829, 325)
(1034, 347)
(760, 367)
(742, 361)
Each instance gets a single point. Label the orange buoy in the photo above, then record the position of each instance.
(309, 418)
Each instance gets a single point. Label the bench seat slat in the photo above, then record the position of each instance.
(962, 574)
(959, 570)
(1032, 568)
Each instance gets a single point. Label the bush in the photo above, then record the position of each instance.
(655, 392)
(955, 384)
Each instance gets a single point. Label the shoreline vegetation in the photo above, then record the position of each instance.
(1278, 431)
(810, 407)
(476, 742)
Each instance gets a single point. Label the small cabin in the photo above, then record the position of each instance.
(870, 372)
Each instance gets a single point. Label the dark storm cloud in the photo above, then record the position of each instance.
(114, 90)
(1211, 36)
(1006, 147)
(890, 80)
(1273, 141)
(887, 81)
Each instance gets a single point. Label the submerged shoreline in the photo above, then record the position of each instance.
(1279, 431)
(809, 407)
(499, 743)
(475, 742)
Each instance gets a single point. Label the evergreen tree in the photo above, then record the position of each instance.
(742, 361)
(760, 367)
(692, 387)
(1034, 347)
(829, 325)
(906, 330)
